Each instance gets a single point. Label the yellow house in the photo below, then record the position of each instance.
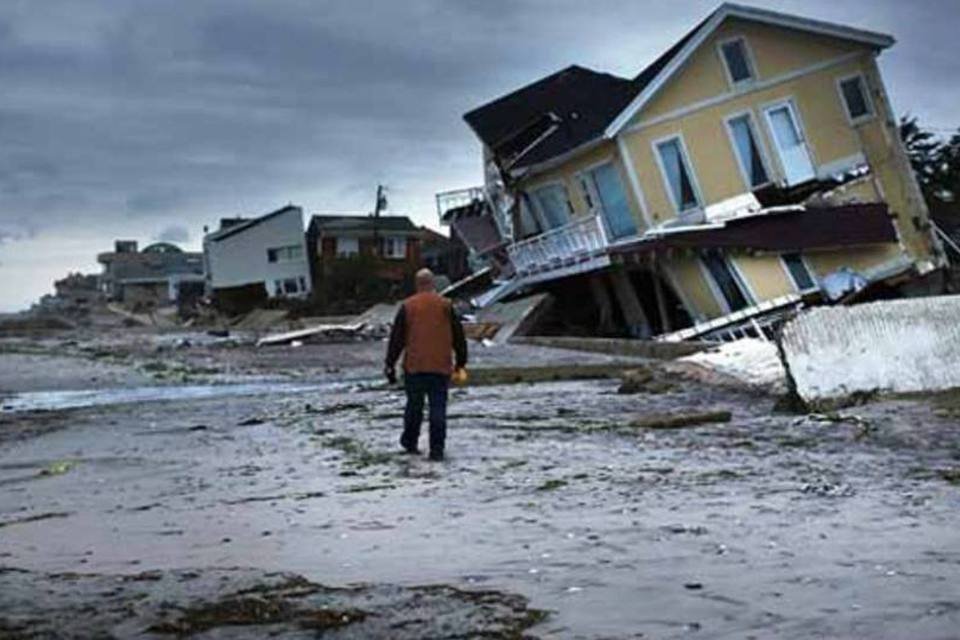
(753, 167)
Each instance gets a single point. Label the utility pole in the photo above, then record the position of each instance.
(381, 204)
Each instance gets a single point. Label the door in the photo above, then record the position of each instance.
(791, 146)
(613, 201)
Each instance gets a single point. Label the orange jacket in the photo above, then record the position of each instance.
(428, 333)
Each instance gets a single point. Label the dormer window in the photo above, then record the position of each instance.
(736, 59)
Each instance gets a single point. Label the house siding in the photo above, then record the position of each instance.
(241, 259)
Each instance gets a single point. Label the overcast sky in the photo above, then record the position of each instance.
(150, 119)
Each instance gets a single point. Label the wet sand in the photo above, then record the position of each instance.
(769, 526)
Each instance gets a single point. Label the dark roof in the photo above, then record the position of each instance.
(234, 227)
(793, 230)
(584, 101)
(360, 222)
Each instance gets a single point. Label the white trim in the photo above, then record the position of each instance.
(752, 297)
(739, 92)
(806, 265)
(790, 104)
(600, 209)
(755, 133)
(748, 57)
(741, 282)
(694, 183)
(634, 180)
(877, 40)
(867, 98)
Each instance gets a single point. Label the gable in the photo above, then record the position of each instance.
(775, 51)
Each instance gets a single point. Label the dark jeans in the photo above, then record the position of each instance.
(432, 386)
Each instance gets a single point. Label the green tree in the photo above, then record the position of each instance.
(935, 161)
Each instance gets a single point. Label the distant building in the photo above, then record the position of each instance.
(393, 239)
(160, 274)
(251, 258)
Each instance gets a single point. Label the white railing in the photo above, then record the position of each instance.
(572, 243)
(448, 200)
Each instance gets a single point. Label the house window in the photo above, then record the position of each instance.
(605, 183)
(748, 151)
(285, 254)
(803, 280)
(395, 248)
(737, 60)
(856, 99)
(347, 247)
(677, 174)
(726, 281)
(790, 143)
(289, 286)
(554, 204)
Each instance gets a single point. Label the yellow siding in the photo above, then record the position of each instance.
(687, 274)
(765, 275)
(857, 258)
(775, 50)
(712, 159)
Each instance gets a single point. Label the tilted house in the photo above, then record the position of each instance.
(756, 157)
(251, 259)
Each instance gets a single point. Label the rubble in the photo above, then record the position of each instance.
(680, 420)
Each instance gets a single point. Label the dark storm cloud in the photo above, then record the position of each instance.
(131, 116)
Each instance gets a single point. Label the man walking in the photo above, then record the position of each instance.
(428, 332)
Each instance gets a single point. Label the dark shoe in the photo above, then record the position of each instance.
(436, 456)
(411, 451)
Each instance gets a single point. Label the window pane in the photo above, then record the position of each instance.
(613, 200)
(726, 282)
(735, 55)
(747, 151)
(794, 156)
(853, 95)
(271, 255)
(678, 174)
(801, 275)
(553, 203)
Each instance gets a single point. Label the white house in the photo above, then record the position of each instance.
(269, 250)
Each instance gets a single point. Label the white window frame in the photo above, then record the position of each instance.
(691, 171)
(747, 54)
(867, 98)
(585, 179)
(571, 211)
(742, 282)
(761, 147)
(394, 242)
(790, 103)
(806, 265)
(347, 254)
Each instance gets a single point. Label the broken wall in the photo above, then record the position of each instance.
(897, 345)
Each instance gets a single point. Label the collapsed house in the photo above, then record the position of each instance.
(158, 275)
(752, 168)
(249, 260)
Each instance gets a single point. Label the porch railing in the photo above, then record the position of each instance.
(577, 241)
(448, 200)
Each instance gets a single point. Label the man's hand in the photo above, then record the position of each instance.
(390, 373)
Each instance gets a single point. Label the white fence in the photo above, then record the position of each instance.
(899, 345)
(574, 242)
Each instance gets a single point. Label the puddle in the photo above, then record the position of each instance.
(58, 400)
